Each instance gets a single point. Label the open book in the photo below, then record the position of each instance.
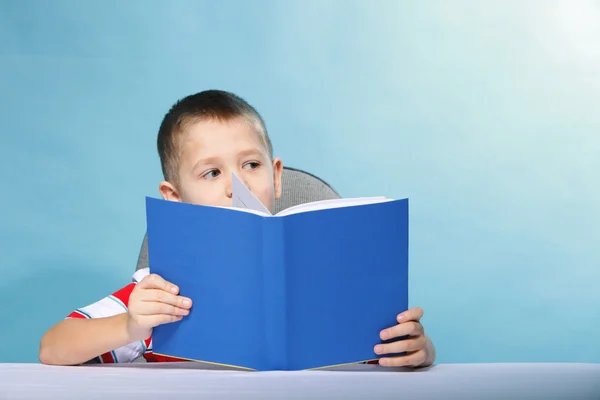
(311, 287)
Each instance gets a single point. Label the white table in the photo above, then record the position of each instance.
(180, 381)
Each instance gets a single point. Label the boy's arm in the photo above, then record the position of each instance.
(75, 341)
(98, 330)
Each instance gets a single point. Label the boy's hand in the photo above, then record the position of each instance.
(419, 349)
(154, 302)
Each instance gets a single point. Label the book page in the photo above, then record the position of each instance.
(243, 198)
(334, 203)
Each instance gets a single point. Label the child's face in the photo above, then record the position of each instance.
(210, 150)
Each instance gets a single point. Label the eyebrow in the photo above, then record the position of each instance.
(213, 160)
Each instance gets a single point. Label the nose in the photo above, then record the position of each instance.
(228, 188)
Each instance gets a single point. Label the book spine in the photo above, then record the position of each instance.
(274, 293)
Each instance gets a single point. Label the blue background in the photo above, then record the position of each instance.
(485, 114)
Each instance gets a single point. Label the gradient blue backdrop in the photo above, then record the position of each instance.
(484, 113)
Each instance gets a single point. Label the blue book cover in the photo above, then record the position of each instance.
(310, 287)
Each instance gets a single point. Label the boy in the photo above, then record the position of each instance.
(201, 141)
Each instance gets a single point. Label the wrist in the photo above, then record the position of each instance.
(125, 328)
(132, 331)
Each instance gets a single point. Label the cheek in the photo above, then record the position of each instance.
(265, 194)
(195, 194)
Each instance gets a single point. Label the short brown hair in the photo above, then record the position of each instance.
(209, 104)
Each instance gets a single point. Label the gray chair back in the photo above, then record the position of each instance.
(298, 187)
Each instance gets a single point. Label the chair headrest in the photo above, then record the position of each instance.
(299, 187)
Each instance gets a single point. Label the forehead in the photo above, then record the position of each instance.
(213, 135)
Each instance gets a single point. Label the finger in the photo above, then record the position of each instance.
(161, 296)
(161, 319)
(154, 281)
(406, 329)
(156, 308)
(413, 314)
(401, 346)
(410, 360)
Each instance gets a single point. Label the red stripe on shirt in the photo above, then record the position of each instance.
(124, 293)
(77, 314)
(107, 358)
(151, 357)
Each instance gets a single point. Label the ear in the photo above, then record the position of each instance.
(168, 191)
(277, 171)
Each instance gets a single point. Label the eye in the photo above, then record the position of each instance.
(252, 165)
(213, 173)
